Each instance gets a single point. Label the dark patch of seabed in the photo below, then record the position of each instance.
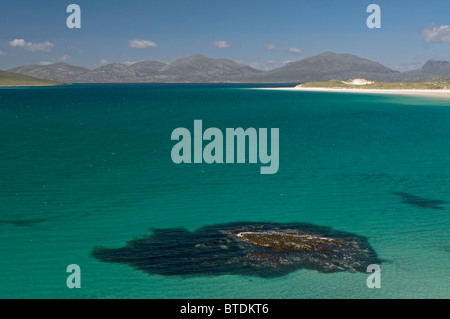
(24, 222)
(421, 202)
(249, 249)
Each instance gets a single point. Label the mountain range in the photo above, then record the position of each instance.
(198, 68)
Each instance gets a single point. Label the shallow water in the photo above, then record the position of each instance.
(84, 166)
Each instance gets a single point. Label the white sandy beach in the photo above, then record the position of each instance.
(425, 93)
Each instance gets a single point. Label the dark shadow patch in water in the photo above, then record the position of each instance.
(24, 222)
(446, 248)
(421, 202)
(244, 248)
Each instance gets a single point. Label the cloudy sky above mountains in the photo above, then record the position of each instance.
(262, 34)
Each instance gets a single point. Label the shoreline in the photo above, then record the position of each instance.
(444, 94)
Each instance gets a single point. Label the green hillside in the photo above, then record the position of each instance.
(14, 79)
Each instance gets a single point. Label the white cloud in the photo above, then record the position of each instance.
(17, 43)
(293, 51)
(221, 44)
(21, 43)
(141, 44)
(432, 34)
(45, 63)
(65, 58)
(128, 63)
(270, 46)
(103, 61)
(3, 53)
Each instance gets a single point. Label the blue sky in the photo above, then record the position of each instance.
(264, 34)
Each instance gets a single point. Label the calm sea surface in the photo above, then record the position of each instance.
(84, 166)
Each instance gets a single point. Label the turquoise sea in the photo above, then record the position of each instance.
(84, 166)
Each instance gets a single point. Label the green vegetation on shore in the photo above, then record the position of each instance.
(14, 79)
(438, 84)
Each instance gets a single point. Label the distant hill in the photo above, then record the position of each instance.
(437, 68)
(430, 70)
(14, 79)
(329, 66)
(110, 73)
(198, 68)
(147, 68)
(61, 72)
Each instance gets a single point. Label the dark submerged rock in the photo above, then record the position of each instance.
(254, 249)
(421, 202)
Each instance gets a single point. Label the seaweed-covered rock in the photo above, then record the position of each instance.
(257, 249)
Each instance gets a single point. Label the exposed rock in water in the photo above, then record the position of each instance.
(257, 249)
